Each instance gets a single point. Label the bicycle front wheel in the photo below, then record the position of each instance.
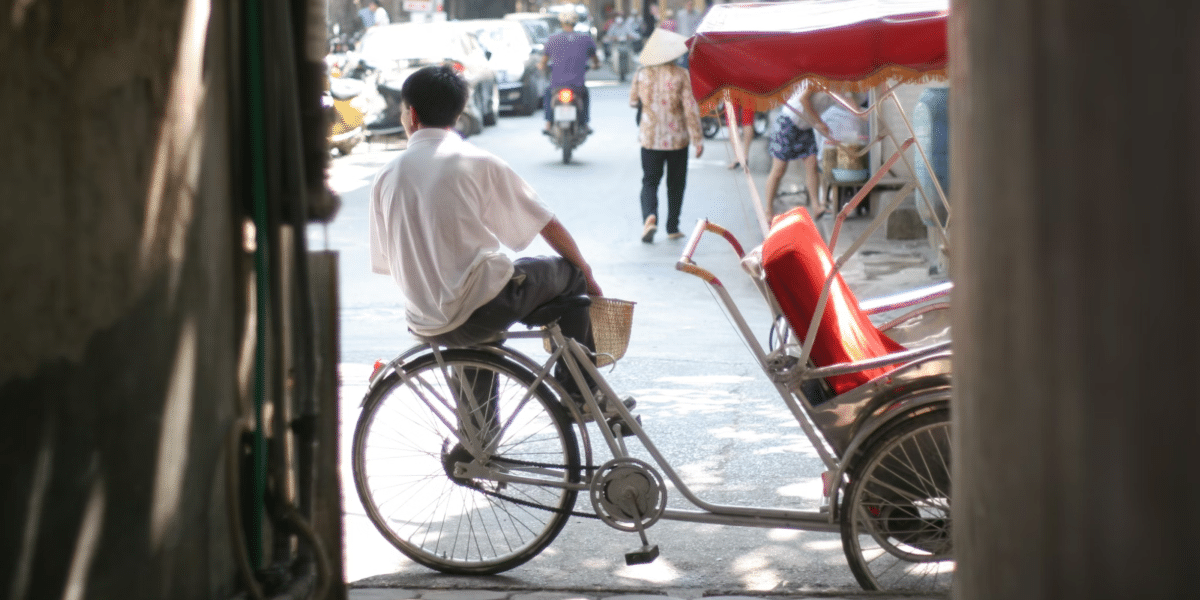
(896, 512)
(436, 452)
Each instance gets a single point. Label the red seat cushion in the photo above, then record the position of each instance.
(797, 261)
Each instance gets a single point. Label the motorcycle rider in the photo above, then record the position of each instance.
(568, 53)
(620, 36)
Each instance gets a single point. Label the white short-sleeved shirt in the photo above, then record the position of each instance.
(439, 214)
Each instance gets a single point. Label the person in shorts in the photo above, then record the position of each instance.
(794, 140)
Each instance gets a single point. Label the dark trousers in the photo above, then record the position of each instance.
(585, 104)
(535, 281)
(653, 162)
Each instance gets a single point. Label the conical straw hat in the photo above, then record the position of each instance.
(663, 46)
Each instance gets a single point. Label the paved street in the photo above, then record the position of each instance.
(701, 396)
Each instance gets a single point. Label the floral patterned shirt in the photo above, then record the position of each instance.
(670, 116)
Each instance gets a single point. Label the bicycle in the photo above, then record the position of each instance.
(494, 423)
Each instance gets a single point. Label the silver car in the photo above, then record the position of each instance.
(396, 51)
(514, 59)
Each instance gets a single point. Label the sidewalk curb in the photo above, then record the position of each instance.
(383, 593)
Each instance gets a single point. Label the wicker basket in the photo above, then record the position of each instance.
(612, 322)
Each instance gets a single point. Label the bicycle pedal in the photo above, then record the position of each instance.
(625, 431)
(642, 556)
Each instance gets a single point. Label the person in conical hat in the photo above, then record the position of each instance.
(663, 46)
(670, 120)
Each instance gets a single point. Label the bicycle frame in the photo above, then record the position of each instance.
(575, 357)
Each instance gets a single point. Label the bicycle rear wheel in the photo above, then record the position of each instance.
(420, 426)
(896, 512)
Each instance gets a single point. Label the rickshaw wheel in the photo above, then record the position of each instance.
(895, 512)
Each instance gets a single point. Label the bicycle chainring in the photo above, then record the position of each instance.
(628, 494)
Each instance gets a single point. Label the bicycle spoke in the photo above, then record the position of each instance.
(897, 525)
(461, 408)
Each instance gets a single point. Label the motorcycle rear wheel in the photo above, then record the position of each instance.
(761, 123)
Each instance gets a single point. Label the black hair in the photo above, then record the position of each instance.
(437, 93)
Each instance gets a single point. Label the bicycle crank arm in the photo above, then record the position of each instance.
(647, 553)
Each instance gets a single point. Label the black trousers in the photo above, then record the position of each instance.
(653, 164)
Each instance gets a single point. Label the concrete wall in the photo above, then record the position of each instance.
(1077, 273)
(118, 243)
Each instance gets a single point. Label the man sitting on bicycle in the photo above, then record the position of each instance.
(440, 212)
(568, 53)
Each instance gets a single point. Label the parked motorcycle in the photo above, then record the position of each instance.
(711, 124)
(377, 99)
(567, 130)
(344, 99)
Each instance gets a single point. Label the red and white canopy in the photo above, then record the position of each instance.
(759, 52)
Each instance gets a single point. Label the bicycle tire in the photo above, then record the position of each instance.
(406, 445)
(895, 516)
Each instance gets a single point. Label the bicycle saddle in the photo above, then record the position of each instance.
(554, 309)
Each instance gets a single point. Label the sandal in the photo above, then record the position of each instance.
(650, 227)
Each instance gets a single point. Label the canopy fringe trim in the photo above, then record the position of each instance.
(764, 102)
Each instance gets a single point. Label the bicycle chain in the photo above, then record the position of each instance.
(526, 503)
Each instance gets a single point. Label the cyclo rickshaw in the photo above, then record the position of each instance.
(471, 460)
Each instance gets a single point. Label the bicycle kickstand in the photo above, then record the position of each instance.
(647, 553)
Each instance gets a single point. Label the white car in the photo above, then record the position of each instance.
(514, 59)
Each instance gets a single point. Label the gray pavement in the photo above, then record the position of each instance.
(592, 594)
